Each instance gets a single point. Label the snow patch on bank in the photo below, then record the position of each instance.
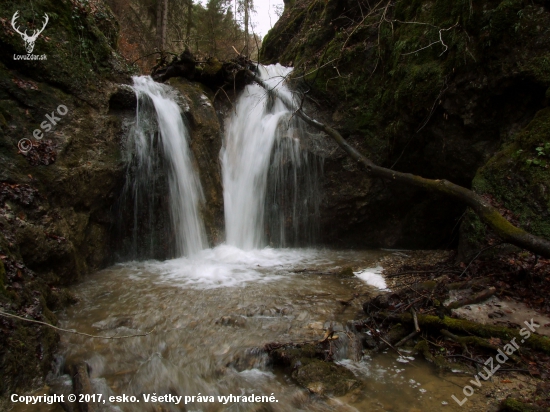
(372, 276)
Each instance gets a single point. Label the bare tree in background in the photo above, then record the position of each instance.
(246, 7)
(246, 24)
(164, 25)
(151, 27)
(189, 23)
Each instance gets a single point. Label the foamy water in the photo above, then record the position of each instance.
(210, 316)
(227, 266)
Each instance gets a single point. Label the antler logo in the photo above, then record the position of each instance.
(29, 40)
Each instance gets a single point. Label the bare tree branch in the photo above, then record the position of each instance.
(9, 315)
(486, 212)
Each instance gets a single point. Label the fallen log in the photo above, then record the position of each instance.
(466, 341)
(486, 212)
(533, 341)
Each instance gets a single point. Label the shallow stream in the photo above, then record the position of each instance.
(210, 317)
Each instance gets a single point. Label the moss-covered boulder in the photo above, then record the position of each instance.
(307, 365)
(517, 178)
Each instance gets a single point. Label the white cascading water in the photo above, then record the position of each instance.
(262, 145)
(159, 116)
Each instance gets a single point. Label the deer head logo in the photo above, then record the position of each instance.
(29, 40)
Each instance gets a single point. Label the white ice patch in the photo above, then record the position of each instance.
(372, 276)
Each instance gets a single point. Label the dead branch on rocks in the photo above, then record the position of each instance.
(9, 315)
(478, 297)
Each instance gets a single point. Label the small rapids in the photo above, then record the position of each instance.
(211, 315)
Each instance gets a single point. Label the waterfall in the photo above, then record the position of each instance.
(270, 183)
(157, 149)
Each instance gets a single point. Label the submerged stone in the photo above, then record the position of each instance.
(326, 378)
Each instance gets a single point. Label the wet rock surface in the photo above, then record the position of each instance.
(206, 143)
(310, 368)
(55, 201)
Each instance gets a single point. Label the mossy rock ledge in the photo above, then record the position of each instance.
(442, 111)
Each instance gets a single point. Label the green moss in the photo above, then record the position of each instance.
(420, 83)
(78, 42)
(539, 68)
(3, 279)
(473, 233)
(538, 342)
(27, 356)
(504, 18)
(212, 67)
(520, 186)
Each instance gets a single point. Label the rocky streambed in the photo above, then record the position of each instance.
(286, 323)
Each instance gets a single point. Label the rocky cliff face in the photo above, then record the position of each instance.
(55, 198)
(60, 186)
(432, 87)
(206, 142)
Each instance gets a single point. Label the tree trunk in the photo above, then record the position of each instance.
(164, 24)
(487, 213)
(159, 24)
(246, 16)
(189, 23)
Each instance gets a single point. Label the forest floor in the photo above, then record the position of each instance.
(465, 313)
(486, 318)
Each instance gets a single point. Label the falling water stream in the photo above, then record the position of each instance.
(159, 143)
(211, 311)
(268, 179)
